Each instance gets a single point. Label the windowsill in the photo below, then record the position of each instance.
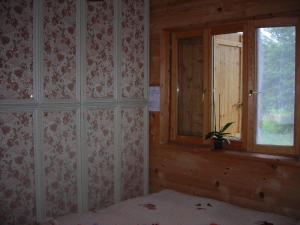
(261, 155)
(206, 149)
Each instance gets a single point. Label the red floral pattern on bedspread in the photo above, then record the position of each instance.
(264, 223)
(16, 77)
(149, 206)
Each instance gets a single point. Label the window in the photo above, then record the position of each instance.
(227, 84)
(245, 73)
(188, 87)
(275, 88)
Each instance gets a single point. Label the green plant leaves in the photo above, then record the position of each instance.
(219, 134)
(226, 126)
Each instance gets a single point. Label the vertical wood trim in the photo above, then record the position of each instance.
(37, 164)
(78, 90)
(35, 131)
(40, 33)
(82, 55)
(81, 79)
(78, 52)
(117, 154)
(245, 90)
(297, 91)
(83, 151)
(117, 97)
(173, 89)
(79, 159)
(117, 50)
(37, 50)
(207, 82)
(164, 87)
(37, 117)
(251, 69)
(146, 84)
(146, 150)
(146, 47)
(40, 128)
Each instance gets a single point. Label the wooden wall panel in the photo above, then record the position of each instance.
(266, 184)
(154, 61)
(177, 13)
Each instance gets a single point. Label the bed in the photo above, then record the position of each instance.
(172, 208)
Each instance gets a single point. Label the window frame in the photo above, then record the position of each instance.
(252, 79)
(174, 136)
(226, 29)
(168, 127)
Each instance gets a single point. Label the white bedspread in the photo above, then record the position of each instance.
(172, 208)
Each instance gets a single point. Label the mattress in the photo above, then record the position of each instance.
(172, 208)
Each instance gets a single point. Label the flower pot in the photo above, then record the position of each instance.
(218, 144)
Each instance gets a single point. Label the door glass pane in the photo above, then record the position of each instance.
(276, 86)
(190, 87)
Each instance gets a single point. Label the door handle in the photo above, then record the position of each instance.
(238, 105)
(252, 92)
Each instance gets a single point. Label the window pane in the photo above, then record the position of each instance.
(227, 81)
(190, 87)
(276, 86)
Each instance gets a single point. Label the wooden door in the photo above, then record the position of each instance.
(227, 64)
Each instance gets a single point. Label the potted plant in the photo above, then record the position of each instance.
(220, 136)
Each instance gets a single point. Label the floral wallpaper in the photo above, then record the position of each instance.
(58, 143)
(16, 77)
(132, 153)
(99, 42)
(100, 157)
(17, 184)
(133, 48)
(59, 49)
(60, 162)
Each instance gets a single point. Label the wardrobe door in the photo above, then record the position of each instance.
(100, 157)
(16, 57)
(60, 162)
(17, 183)
(59, 54)
(132, 152)
(132, 50)
(99, 50)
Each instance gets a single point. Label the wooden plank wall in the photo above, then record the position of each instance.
(265, 184)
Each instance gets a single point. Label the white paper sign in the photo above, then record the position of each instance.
(154, 99)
